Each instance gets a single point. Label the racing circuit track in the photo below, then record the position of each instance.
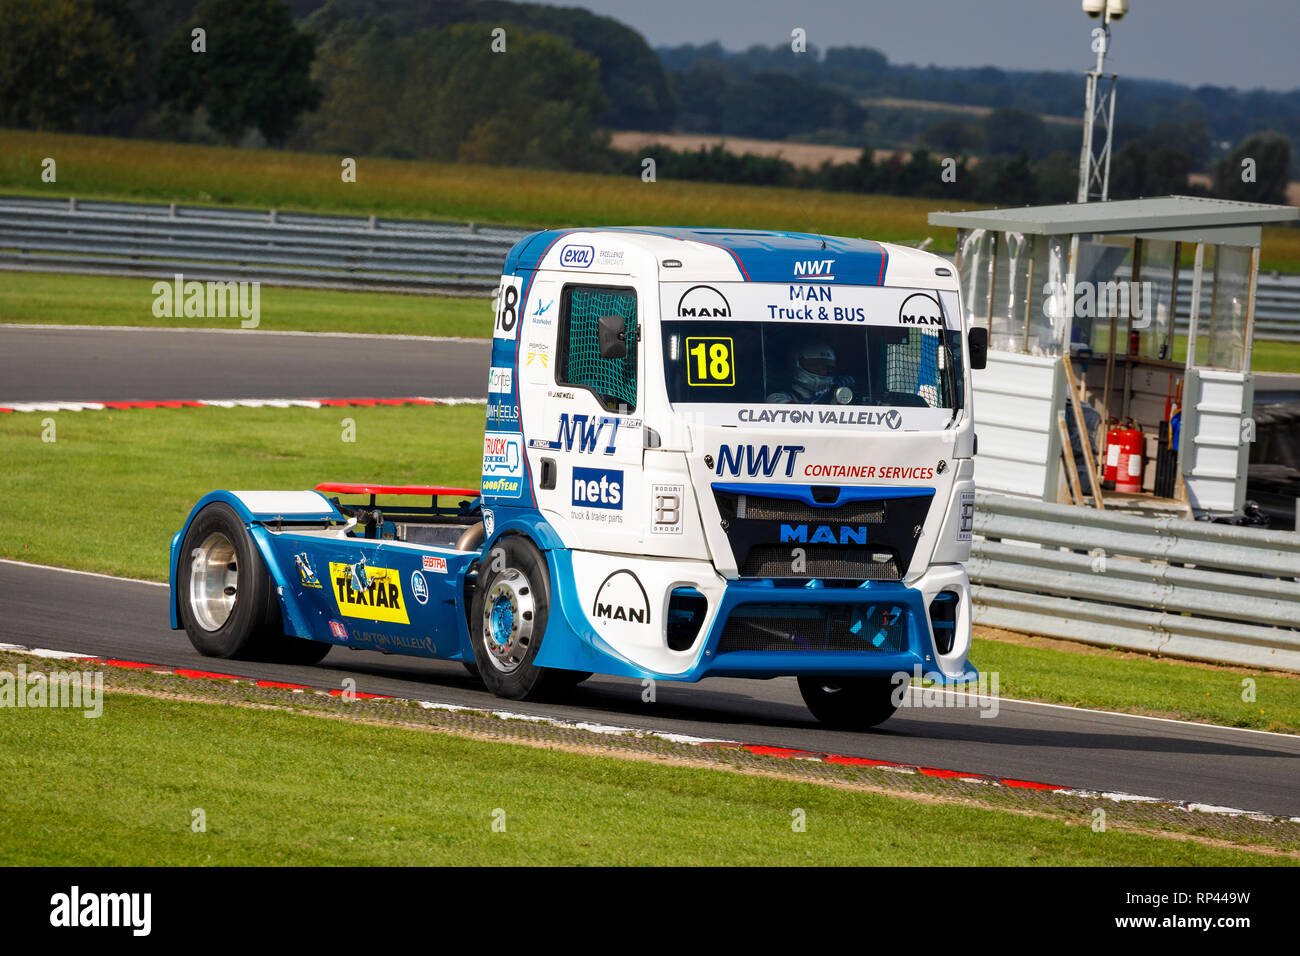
(1091, 750)
(128, 620)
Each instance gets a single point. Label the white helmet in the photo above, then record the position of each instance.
(814, 369)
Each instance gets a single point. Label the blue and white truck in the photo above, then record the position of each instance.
(706, 453)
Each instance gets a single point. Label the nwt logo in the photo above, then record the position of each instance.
(815, 269)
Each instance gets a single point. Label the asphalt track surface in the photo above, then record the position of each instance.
(1220, 766)
(96, 364)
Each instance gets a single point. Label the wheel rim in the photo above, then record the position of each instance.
(214, 581)
(508, 615)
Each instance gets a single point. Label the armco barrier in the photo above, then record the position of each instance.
(207, 243)
(1192, 589)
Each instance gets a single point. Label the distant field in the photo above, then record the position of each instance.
(140, 170)
(45, 297)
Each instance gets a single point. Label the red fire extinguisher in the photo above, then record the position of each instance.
(1112, 452)
(1128, 469)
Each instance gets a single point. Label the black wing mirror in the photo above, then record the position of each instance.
(978, 341)
(613, 339)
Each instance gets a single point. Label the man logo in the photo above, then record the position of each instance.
(893, 418)
(703, 302)
(621, 598)
(920, 309)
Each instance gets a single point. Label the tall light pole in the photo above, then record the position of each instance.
(1094, 166)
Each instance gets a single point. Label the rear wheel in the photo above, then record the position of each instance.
(508, 622)
(850, 703)
(228, 603)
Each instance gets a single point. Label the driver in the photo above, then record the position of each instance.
(812, 376)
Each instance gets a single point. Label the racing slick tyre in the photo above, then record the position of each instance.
(849, 703)
(508, 622)
(228, 603)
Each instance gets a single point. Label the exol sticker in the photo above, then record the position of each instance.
(419, 587)
(436, 565)
(500, 381)
(507, 318)
(503, 465)
(306, 576)
(666, 508)
(489, 521)
(597, 488)
(966, 515)
(577, 257)
(338, 630)
(703, 302)
(380, 600)
(920, 309)
(610, 258)
(621, 597)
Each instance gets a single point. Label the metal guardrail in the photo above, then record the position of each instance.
(1191, 589)
(206, 243)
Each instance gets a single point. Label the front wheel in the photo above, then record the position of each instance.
(508, 621)
(850, 703)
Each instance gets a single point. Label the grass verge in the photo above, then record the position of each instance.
(53, 298)
(105, 168)
(122, 790)
(108, 495)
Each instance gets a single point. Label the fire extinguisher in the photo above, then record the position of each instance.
(1128, 469)
(1113, 434)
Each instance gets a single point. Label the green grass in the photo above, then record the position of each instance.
(113, 300)
(283, 789)
(1142, 685)
(110, 492)
(104, 168)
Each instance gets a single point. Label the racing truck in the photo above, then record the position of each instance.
(706, 453)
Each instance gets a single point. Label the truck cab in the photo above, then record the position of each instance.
(709, 453)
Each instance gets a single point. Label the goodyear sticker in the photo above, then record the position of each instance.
(382, 600)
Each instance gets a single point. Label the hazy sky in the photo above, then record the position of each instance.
(1242, 43)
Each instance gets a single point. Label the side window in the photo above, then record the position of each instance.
(613, 381)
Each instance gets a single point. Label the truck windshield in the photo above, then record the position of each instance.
(750, 363)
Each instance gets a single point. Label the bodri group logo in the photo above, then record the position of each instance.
(503, 465)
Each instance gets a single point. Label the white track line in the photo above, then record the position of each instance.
(395, 336)
(89, 574)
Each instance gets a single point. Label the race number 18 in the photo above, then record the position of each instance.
(508, 308)
(709, 362)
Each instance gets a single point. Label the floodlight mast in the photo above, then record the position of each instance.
(1094, 165)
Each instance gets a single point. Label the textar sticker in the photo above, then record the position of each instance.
(382, 600)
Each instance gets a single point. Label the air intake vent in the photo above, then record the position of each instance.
(868, 628)
(820, 561)
(943, 617)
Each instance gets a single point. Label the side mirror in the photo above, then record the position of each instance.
(613, 340)
(978, 342)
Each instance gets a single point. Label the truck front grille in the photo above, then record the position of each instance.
(869, 628)
(820, 561)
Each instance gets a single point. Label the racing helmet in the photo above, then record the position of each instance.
(814, 369)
